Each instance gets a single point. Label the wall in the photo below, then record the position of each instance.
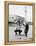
(35, 22)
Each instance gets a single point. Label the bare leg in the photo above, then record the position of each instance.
(19, 33)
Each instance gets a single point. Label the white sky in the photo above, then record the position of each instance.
(20, 11)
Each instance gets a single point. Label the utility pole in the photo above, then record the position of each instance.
(25, 12)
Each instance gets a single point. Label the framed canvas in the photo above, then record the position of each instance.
(19, 22)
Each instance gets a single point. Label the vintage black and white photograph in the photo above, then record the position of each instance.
(20, 22)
